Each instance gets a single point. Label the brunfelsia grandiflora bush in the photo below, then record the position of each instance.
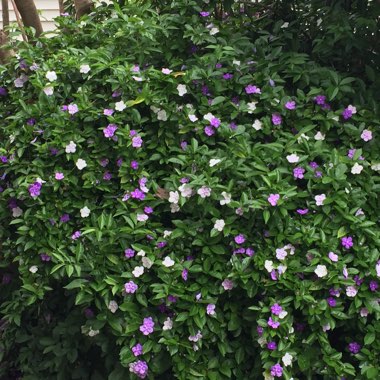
(177, 201)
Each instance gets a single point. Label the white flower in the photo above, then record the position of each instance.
(219, 225)
(141, 253)
(321, 270)
(146, 262)
(319, 199)
(287, 359)
(303, 136)
(378, 269)
(326, 327)
(84, 69)
(209, 116)
(186, 190)
(284, 25)
(85, 212)
(214, 31)
(154, 109)
(17, 211)
(226, 200)
(376, 167)
(364, 312)
(235, 62)
(251, 106)
(48, 91)
(40, 180)
(292, 158)
(113, 306)
(161, 115)
(142, 217)
(352, 109)
(204, 192)
(173, 197)
(166, 71)
(81, 164)
(283, 314)
(356, 169)
(174, 208)
(138, 271)
(269, 265)
(281, 253)
(168, 324)
(351, 291)
(214, 161)
(319, 136)
(182, 90)
(120, 106)
(137, 79)
(71, 147)
(51, 76)
(282, 269)
(167, 233)
(168, 262)
(193, 118)
(93, 332)
(33, 269)
(257, 125)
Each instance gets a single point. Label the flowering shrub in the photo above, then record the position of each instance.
(177, 202)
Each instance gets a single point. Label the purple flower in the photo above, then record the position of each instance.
(35, 189)
(172, 299)
(204, 14)
(119, 162)
(218, 66)
(76, 235)
(291, 105)
(54, 151)
(318, 174)
(302, 211)
(249, 252)
(4, 159)
(148, 326)
(108, 111)
(59, 176)
(88, 312)
(3, 91)
(354, 347)
(116, 94)
(134, 165)
(334, 292)
(209, 130)
(347, 242)
(276, 309)
(373, 285)
(273, 323)
(31, 121)
(271, 346)
(184, 274)
(347, 114)
(276, 370)
(45, 257)
(139, 368)
(331, 301)
(64, 218)
(239, 239)
(148, 210)
(233, 125)
(130, 287)
(129, 253)
(210, 309)
(273, 199)
(276, 119)
(107, 176)
(320, 100)
(137, 141)
(110, 130)
(298, 172)
(215, 122)
(250, 89)
(161, 244)
(313, 165)
(227, 76)
(138, 194)
(137, 349)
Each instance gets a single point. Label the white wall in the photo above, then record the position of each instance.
(48, 10)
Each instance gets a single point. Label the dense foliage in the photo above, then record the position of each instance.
(183, 196)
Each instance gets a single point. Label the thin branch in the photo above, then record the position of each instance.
(18, 18)
(5, 12)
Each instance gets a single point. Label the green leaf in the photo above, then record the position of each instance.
(218, 100)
